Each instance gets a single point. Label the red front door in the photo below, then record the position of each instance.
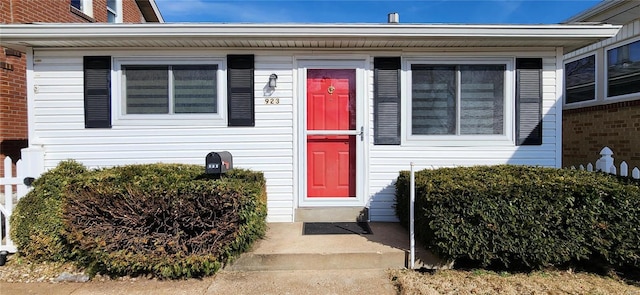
(331, 116)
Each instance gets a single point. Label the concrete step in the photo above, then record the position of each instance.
(332, 214)
(285, 248)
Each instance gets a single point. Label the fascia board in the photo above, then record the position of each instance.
(156, 11)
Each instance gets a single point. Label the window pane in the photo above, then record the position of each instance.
(147, 90)
(433, 104)
(111, 18)
(77, 4)
(195, 89)
(482, 99)
(624, 69)
(111, 4)
(580, 77)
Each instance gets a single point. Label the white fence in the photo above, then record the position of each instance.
(606, 164)
(30, 166)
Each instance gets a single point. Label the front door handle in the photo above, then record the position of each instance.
(361, 133)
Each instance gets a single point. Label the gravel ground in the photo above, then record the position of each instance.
(18, 270)
(485, 282)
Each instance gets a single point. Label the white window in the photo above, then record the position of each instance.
(580, 79)
(84, 6)
(459, 99)
(113, 11)
(152, 88)
(623, 70)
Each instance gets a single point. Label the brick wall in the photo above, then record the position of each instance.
(587, 130)
(131, 13)
(13, 96)
(13, 106)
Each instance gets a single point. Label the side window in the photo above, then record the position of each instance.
(623, 70)
(580, 80)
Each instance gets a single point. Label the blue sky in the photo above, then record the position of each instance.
(361, 11)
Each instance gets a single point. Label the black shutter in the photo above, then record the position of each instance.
(240, 96)
(529, 101)
(97, 92)
(386, 101)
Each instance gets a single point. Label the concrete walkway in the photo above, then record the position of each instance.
(227, 282)
(284, 262)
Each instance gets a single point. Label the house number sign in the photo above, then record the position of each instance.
(271, 101)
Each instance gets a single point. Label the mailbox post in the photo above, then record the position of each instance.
(218, 162)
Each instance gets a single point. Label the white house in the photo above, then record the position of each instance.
(352, 104)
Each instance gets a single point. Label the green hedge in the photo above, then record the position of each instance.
(164, 220)
(519, 217)
(36, 222)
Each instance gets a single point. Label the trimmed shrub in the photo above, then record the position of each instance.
(518, 217)
(36, 222)
(165, 220)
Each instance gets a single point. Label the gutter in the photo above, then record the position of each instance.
(179, 30)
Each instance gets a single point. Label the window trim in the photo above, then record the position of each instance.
(120, 117)
(605, 82)
(460, 140)
(595, 80)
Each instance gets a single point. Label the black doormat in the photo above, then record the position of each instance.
(336, 228)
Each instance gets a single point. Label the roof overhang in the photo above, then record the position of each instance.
(345, 36)
(150, 11)
(617, 12)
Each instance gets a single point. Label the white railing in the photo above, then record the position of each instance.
(28, 168)
(605, 164)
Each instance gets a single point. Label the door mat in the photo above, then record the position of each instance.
(336, 228)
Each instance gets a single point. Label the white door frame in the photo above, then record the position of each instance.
(361, 65)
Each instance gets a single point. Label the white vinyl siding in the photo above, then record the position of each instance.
(268, 147)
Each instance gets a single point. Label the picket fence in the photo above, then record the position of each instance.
(15, 187)
(606, 164)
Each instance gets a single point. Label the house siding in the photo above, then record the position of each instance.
(270, 146)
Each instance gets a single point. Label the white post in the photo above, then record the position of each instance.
(412, 200)
(8, 204)
(606, 161)
(34, 161)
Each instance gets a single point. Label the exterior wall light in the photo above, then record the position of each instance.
(273, 78)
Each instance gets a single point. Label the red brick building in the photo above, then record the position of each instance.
(13, 96)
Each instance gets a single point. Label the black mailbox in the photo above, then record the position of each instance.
(218, 162)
